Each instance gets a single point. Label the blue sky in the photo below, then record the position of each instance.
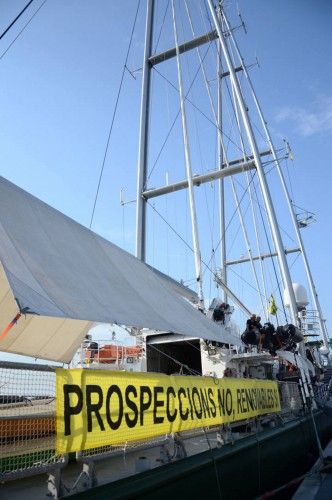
(58, 86)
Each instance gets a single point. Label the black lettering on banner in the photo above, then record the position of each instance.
(244, 401)
(144, 403)
(229, 402)
(259, 399)
(221, 401)
(157, 404)
(254, 398)
(184, 416)
(239, 401)
(94, 407)
(249, 399)
(268, 393)
(131, 422)
(190, 404)
(71, 410)
(263, 399)
(205, 402)
(114, 424)
(170, 417)
(200, 411)
(212, 403)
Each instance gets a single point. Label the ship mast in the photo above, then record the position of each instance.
(143, 140)
(221, 181)
(143, 148)
(259, 167)
(197, 253)
(284, 186)
(222, 34)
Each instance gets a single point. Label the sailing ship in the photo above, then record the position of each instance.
(58, 278)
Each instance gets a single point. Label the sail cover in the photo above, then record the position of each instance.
(62, 277)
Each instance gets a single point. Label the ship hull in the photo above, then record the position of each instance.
(248, 468)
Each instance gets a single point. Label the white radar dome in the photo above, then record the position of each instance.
(301, 296)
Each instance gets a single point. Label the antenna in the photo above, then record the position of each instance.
(121, 197)
(289, 151)
(122, 200)
(243, 24)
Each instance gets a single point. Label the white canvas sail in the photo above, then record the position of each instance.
(63, 277)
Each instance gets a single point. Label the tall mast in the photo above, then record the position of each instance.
(284, 186)
(259, 167)
(221, 181)
(197, 253)
(143, 141)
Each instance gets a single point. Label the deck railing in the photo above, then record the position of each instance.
(27, 428)
(27, 420)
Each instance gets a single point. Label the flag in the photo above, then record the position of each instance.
(273, 308)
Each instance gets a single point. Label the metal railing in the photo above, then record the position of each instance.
(104, 354)
(27, 420)
(27, 431)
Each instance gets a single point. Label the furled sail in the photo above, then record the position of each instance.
(61, 276)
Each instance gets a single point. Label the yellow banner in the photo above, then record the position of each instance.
(100, 407)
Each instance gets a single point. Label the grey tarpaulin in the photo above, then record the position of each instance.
(66, 276)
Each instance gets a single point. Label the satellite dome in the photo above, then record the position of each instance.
(301, 296)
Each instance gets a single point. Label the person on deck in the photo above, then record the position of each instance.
(219, 313)
(91, 347)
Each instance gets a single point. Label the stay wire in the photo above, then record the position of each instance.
(270, 250)
(262, 206)
(197, 109)
(21, 31)
(161, 27)
(246, 282)
(114, 114)
(170, 226)
(207, 265)
(233, 215)
(174, 121)
(16, 19)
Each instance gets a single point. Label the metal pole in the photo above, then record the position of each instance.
(221, 165)
(229, 292)
(221, 181)
(244, 230)
(260, 171)
(284, 186)
(143, 140)
(197, 253)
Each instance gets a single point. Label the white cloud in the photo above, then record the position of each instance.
(314, 119)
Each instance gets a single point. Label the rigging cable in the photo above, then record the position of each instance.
(16, 18)
(264, 210)
(207, 265)
(263, 297)
(114, 113)
(195, 107)
(270, 250)
(21, 31)
(175, 119)
(161, 28)
(182, 238)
